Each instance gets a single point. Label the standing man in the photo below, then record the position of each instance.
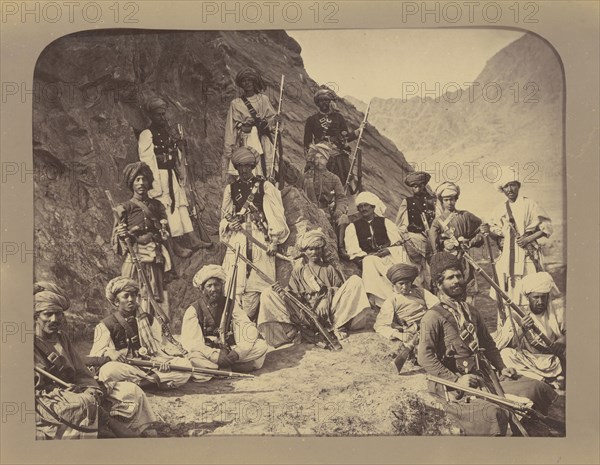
(452, 337)
(159, 149)
(252, 208)
(249, 122)
(200, 328)
(374, 242)
(330, 127)
(518, 222)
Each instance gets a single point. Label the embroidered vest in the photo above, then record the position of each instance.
(371, 242)
(165, 148)
(416, 206)
(240, 191)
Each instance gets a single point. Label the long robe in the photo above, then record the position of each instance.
(321, 187)
(348, 303)
(235, 137)
(374, 268)
(248, 346)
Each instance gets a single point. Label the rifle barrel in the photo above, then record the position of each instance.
(56, 379)
(207, 371)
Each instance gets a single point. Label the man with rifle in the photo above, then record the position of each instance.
(253, 218)
(215, 330)
(130, 333)
(456, 346)
(160, 148)
(340, 305)
(70, 403)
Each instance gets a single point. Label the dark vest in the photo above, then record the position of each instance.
(240, 191)
(122, 338)
(210, 327)
(165, 148)
(417, 205)
(366, 241)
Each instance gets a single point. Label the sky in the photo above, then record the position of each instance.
(366, 63)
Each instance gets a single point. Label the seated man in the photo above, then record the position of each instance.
(74, 413)
(453, 337)
(400, 315)
(374, 241)
(200, 328)
(526, 355)
(131, 332)
(320, 287)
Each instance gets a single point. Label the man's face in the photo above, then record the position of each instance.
(320, 161)
(314, 253)
(50, 321)
(453, 283)
(538, 302)
(403, 286)
(159, 117)
(245, 170)
(449, 203)
(140, 185)
(127, 301)
(418, 189)
(325, 104)
(511, 190)
(248, 85)
(213, 289)
(366, 210)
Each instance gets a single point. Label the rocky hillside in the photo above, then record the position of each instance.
(87, 112)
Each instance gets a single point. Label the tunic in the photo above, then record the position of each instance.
(409, 220)
(323, 187)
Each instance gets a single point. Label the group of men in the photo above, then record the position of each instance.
(415, 273)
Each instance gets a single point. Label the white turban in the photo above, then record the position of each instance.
(507, 174)
(371, 199)
(207, 272)
(541, 282)
(314, 237)
(447, 189)
(120, 284)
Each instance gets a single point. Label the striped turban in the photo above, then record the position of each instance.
(120, 284)
(250, 73)
(447, 189)
(155, 103)
(313, 238)
(401, 271)
(49, 296)
(133, 170)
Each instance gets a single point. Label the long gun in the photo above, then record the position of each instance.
(204, 371)
(153, 304)
(224, 326)
(530, 249)
(499, 302)
(330, 338)
(356, 148)
(193, 207)
(276, 159)
(511, 405)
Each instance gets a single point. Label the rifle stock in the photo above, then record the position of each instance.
(204, 371)
(499, 301)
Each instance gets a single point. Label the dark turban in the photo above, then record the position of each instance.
(133, 170)
(244, 156)
(417, 177)
(323, 93)
(49, 296)
(401, 271)
(120, 284)
(250, 73)
(155, 103)
(441, 262)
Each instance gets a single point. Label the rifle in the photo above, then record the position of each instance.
(224, 327)
(516, 408)
(328, 334)
(193, 208)
(407, 348)
(530, 249)
(356, 148)
(276, 159)
(153, 304)
(499, 303)
(204, 371)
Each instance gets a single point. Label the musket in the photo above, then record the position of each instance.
(330, 338)
(499, 301)
(153, 304)
(224, 326)
(511, 405)
(276, 160)
(194, 209)
(530, 250)
(203, 371)
(356, 148)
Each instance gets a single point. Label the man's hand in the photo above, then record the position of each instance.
(277, 118)
(527, 321)
(484, 228)
(121, 230)
(382, 253)
(469, 380)
(509, 372)
(227, 358)
(165, 367)
(271, 249)
(523, 241)
(322, 309)
(116, 356)
(277, 288)
(235, 224)
(559, 348)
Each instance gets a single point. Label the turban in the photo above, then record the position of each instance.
(541, 282)
(441, 262)
(417, 177)
(207, 272)
(120, 284)
(322, 149)
(154, 103)
(250, 73)
(507, 174)
(322, 93)
(447, 189)
(401, 271)
(244, 156)
(49, 296)
(371, 199)
(312, 238)
(133, 170)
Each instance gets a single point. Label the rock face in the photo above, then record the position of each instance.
(89, 90)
